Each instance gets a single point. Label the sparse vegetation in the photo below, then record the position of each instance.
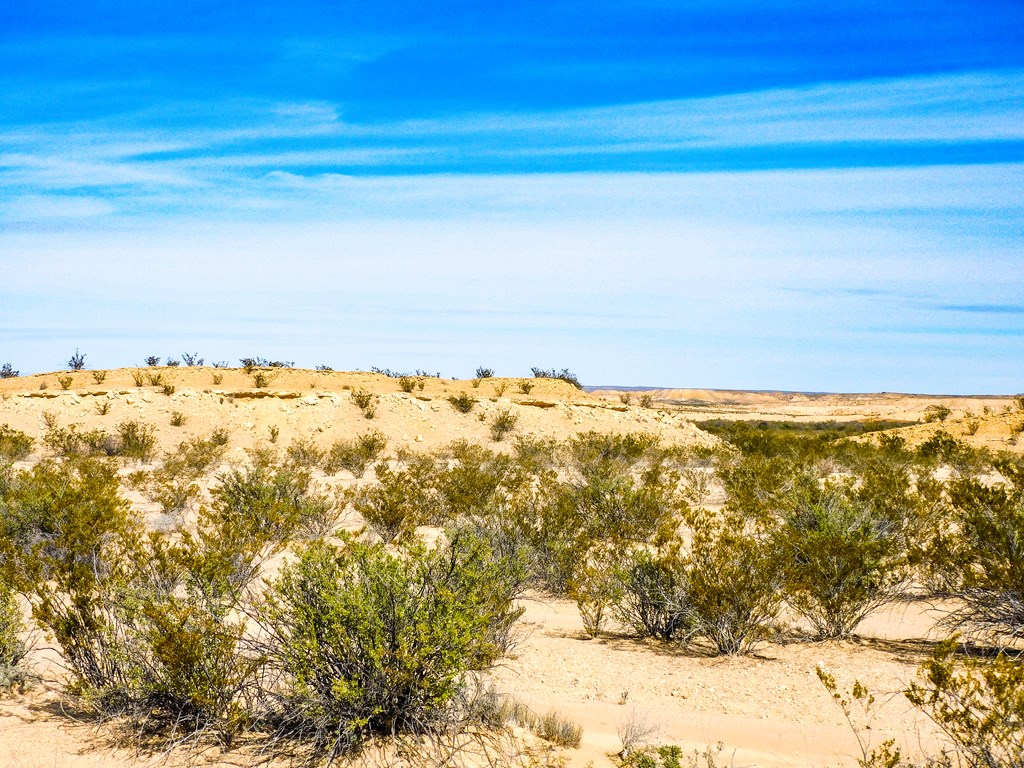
(99, 376)
(77, 361)
(525, 387)
(373, 642)
(14, 445)
(502, 424)
(178, 630)
(65, 381)
(562, 375)
(152, 361)
(13, 647)
(355, 455)
(462, 402)
(8, 372)
(936, 413)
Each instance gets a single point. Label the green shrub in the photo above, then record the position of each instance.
(357, 454)
(14, 445)
(362, 398)
(943, 448)
(8, 372)
(178, 419)
(136, 441)
(194, 674)
(462, 402)
(936, 413)
(735, 584)
(65, 381)
(99, 376)
(978, 704)
(396, 504)
(13, 648)
(372, 642)
(470, 480)
(597, 453)
(562, 375)
(406, 383)
(652, 597)
(503, 423)
(173, 485)
(525, 386)
(270, 504)
(841, 561)
(168, 389)
(987, 550)
(595, 590)
(260, 379)
(65, 538)
(305, 453)
(131, 440)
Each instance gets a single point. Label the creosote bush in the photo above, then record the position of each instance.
(131, 440)
(462, 402)
(985, 549)
(14, 445)
(652, 597)
(841, 561)
(502, 424)
(370, 641)
(396, 504)
(978, 704)
(562, 375)
(355, 455)
(735, 584)
(13, 648)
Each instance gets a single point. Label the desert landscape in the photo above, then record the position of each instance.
(622, 693)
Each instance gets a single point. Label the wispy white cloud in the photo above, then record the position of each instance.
(226, 144)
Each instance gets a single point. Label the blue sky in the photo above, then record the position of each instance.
(812, 196)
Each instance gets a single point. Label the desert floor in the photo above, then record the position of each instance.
(768, 709)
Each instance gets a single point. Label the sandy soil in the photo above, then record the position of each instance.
(768, 709)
